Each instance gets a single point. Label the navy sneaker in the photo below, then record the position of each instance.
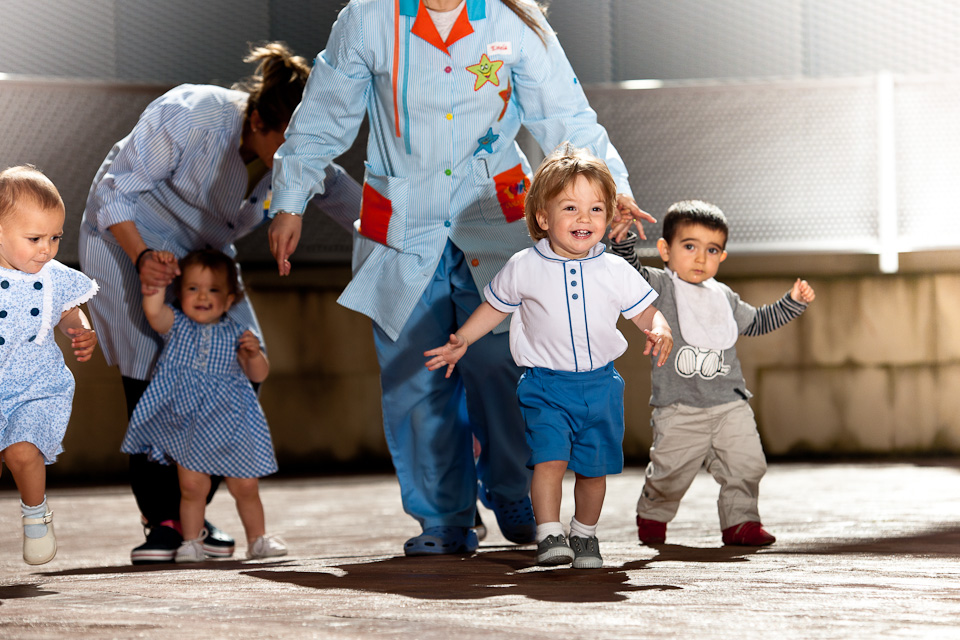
(161, 546)
(217, 544)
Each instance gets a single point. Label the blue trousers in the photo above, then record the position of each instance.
(426, 430)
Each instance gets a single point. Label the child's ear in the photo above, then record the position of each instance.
(664, 249)
(723, 256)
(230, 300)
(542, 219)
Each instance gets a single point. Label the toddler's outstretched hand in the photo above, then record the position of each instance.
(802, 292)
(249, 345)
(449, 354)
(83, 342)
(658, 343)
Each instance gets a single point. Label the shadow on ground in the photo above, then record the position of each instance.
(494, 573)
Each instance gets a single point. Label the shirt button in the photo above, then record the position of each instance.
(474, 262)
(32, 338)
(5, 285)
(446, 223)
(449, 116)
(2, 340)
(446, 171)
(573, 270)
(575, 296)
(448, 69)
(38, 285)
(573, 283)
(3, 314)
(34, 312)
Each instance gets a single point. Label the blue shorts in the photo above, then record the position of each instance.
(575, 417)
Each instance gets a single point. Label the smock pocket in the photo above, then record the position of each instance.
(383, 209)
(509, 187)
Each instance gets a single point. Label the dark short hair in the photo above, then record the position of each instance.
(215, 261)
(694, 212)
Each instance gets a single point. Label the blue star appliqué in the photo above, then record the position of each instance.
(486, 142)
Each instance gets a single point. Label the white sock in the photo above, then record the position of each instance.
(34, 530)
(548, 529)
(581, 530)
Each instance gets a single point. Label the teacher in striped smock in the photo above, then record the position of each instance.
(446, 85)
(194, 173)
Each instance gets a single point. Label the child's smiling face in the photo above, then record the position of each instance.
(695, 253)
(30, 237)
(575, 219)
(205, 294)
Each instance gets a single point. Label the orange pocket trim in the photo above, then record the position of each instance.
(512, 186)
(375, 213)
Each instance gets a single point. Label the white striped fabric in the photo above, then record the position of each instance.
(459, 113)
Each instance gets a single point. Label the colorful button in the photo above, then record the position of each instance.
(448, 69)
(449, 116)
(475, 262)
(446, 223)
(447, 171)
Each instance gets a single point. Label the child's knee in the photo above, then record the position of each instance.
(242, 488)
(20, 455)
(195, 486)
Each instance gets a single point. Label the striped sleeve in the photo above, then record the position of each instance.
(149, 157)
(771, 317)
(327, 120)
(626, 249)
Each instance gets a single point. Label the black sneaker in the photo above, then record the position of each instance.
(217, 544)
(161, 546)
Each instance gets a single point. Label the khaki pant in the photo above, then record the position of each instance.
(723, 439)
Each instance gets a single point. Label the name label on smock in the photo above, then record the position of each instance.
(499, 49)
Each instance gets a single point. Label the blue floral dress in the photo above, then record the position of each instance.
(200, 409)
(36, 387)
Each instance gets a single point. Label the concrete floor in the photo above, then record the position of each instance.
(863, 551)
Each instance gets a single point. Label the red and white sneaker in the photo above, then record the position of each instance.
(747, 534)
(651, 531)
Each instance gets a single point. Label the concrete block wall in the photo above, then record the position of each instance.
(871, 368)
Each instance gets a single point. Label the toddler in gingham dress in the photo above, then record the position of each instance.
(200, 410)
(36, 388)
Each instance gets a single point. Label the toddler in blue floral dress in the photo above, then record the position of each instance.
(36, 388)
(200, 410)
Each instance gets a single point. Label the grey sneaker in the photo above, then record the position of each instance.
(586, 552)
(554, 550)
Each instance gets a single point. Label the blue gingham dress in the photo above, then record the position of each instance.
(36, 387)
(200, 409)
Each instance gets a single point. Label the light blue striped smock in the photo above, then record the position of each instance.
(179, 176)
(440, 134)
(200, 409)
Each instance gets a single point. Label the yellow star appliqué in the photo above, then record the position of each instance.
(486, 71)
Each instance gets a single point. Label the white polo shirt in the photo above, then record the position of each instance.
(565, 311)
